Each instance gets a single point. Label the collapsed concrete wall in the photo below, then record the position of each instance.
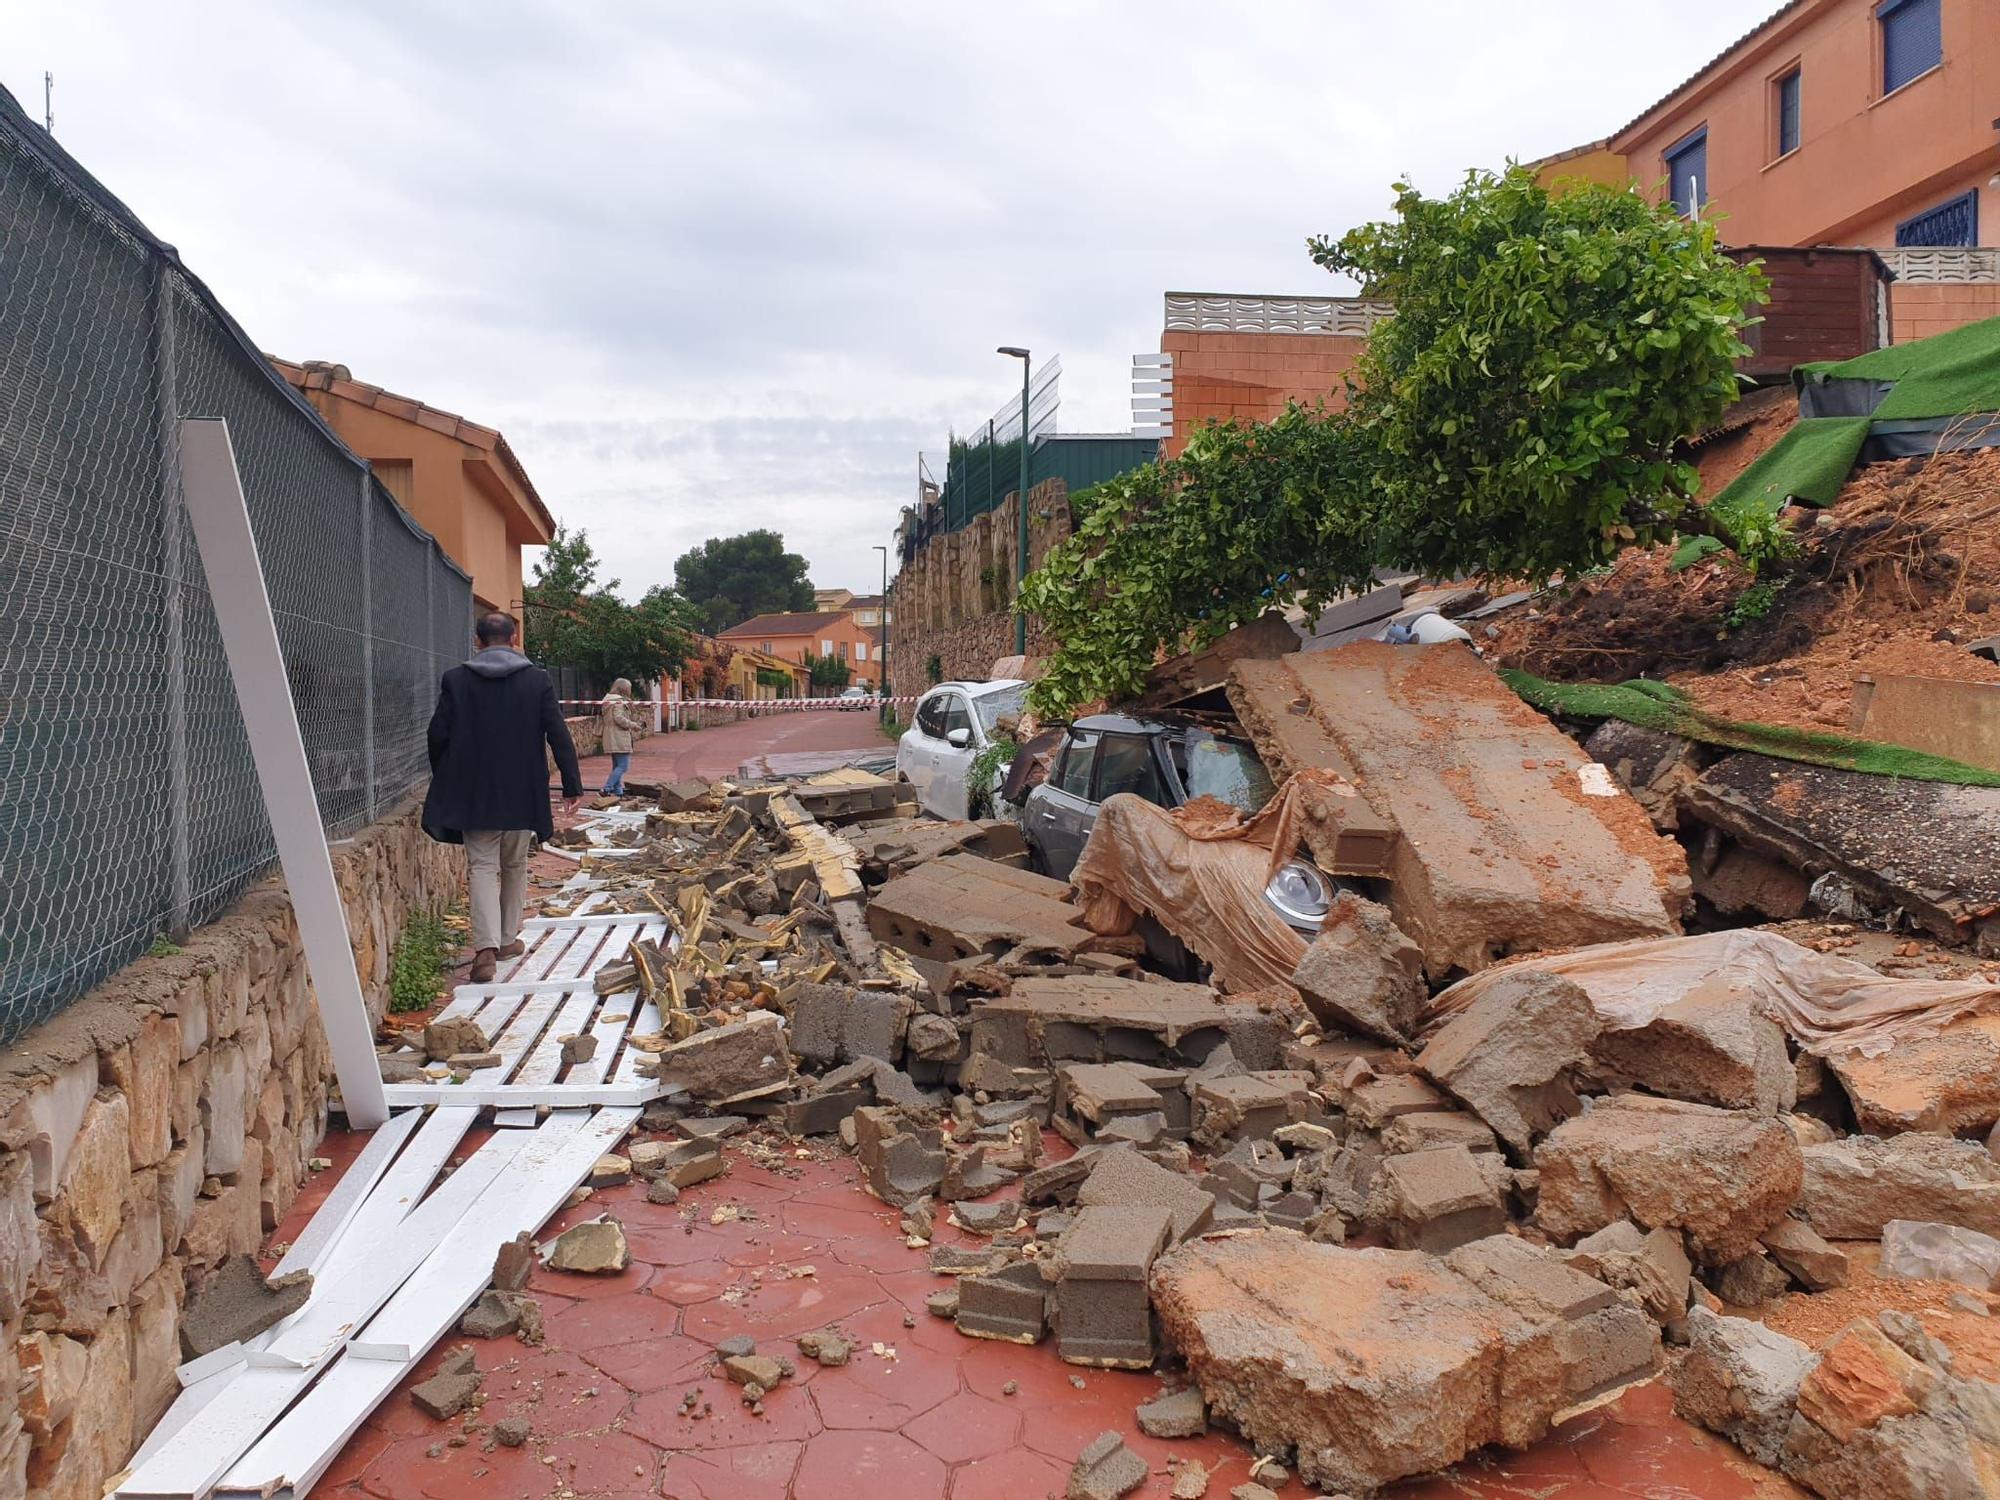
(158, 1126)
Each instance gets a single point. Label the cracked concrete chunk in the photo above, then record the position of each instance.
(1439, 1199)
(237, 1303)
(1947, 1084)
(1175, 1414)
(1711, 1047)
(1362, 974)
(1740, 1379)
(1940, 1252)
(1513, 1056)
(1855, 1186)
(1811, 1261)
(744, 1057)
(901, 1159)
(1723, 1176)
(451, 1390)
(1105, 1470)
(595, 1247)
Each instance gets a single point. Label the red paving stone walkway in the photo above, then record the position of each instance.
(774, 1251)
(719, 750)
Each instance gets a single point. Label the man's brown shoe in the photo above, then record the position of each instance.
(482, 966)
(513, 950)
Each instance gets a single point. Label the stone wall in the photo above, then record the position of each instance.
(953, 599)
(157, 1126)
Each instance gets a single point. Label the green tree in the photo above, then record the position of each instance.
(1516, 418)
(572, 621)
(828, 672)
(732, 578)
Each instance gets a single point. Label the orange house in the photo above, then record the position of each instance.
(1866, 123)
(460, 481)
(795, 637)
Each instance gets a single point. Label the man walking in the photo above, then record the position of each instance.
(490, 782)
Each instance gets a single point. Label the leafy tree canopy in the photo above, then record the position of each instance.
(1516, 418)
(827, 671)
(731, 578)
(572, 621)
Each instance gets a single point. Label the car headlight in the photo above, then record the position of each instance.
(1300, 894)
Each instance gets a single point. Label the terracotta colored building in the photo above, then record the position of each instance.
(460, 481)
(794, 637)
(1842, 122)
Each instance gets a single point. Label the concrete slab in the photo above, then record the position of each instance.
(960, 905)
(1506, 845)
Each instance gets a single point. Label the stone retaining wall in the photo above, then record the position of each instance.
(965, 651)
(159, 1125)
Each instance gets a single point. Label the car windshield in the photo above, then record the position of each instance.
(1228, 771)
(992, 707)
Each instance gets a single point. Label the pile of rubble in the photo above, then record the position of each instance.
(1370, 1227)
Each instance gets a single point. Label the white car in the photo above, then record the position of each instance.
(954, 722)
(856, 697)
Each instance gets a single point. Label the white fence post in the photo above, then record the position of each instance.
(214, 494)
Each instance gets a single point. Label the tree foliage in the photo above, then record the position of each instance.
(827, 671)
(1516, 418)
(729, 579)
(573, 621)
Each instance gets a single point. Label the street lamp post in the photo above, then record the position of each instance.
(1021, 508)
(882, 644)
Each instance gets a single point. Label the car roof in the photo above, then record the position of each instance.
(981, 689)
(1125, 724)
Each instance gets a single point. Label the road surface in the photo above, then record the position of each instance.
(680, 754)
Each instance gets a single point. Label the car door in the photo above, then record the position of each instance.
(916, 751)
(951, 780)
(1060, 812)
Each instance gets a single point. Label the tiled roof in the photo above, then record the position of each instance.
(321, 375)
(1723, 56)
(770, 625)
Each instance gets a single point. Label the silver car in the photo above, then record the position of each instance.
(1167, 764)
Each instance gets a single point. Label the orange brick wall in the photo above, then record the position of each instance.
(1918, 309)
(1250, 376)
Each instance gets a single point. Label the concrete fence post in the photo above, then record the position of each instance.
(174, 616)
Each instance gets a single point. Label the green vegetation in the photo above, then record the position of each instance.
(1753, 603)
(982, 778)
(573, 621)
(934, 669)
(1661, 706)
(423, 953)
(731, 579)
(1515, 418)
(827, 671)
(164, 947)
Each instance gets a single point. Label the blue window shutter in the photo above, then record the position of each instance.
(1952, 223)
(1912, 40)
(1687, 172)
(1788, 113)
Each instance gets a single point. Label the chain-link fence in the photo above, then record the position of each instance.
(129, 805)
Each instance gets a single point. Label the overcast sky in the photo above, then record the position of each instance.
(722, 265)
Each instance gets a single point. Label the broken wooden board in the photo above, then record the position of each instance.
(1510, 838)
(836, 867)
(961, 906)
(1926, 847)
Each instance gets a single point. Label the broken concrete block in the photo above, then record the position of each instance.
(451, 1390)
(1440, 1199)
(237, 1303)
(1856, 1185)
(743, 1058)
(1940, 1252)
(1427, 1129)
(1374, 1364)
(1812, 1262)
(1125, 1179)
(1652, 766)
(1862, 1378)
(1009, 1304)
(1105, 1470)
(1362, 974)
(753, 1369)
(1097, 1018)
(579, 1048)
(472, 1062)
(1059, 1180)
(988, 1218)
(1513, 1056)
(1712, 1047)
(692, 795)
(1100, 1092)
(836, 1023)
(1723, 1176)
(1652, 1263)
(901, 1160)
(1102, 1314)
(453, 1035)
(1248, 1105)
(1372, 1102)
(825, 1348)
(681, 1163)
(610, 1170)
(1175, 1414)
(514, 1262)
(595, 1247)
(1947, 1084)
(494, 1315)
(512, 1432)
(1740, 1379)
(1191, 1483)
(1750, 1281)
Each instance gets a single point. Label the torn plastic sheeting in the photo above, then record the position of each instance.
(1200, 870)
(1828, 1004)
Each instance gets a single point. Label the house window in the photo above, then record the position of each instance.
(1952, 223)
(1788, 113)
(1912, 40)
(841, 646)
(1687, 172)
(825, 647)
(765, 647)
(861, 651)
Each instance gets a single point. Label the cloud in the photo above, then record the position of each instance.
(713, 267)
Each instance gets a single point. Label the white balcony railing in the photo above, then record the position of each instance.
(1963, 264)
(1213, 312)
